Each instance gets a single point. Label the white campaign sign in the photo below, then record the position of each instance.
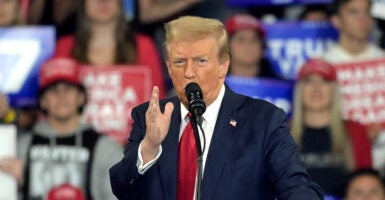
(8, 184)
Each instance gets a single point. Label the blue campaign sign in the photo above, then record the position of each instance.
(331, 197)
(129, 9)
(274, 2)
(290, 44)
(275, 91)
(22, 51)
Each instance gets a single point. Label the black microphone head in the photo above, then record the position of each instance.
(195, 98)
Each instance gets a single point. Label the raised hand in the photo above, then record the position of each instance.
(4, 106)
(157, 124)
(13, 167)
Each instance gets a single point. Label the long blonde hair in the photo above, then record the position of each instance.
(339, 136)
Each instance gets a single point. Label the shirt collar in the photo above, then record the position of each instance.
(212, 110)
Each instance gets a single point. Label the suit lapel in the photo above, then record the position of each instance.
(223, 138)
(168, 162)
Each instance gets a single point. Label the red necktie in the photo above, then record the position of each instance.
(187, 164)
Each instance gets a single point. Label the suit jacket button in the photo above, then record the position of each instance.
(132, 181)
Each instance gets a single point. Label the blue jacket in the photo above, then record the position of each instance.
(256, 159)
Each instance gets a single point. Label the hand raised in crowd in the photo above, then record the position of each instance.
(374, 130)
(13, 167)
(4, 106)
(157, 124)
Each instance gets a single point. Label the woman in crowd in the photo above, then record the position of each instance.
(330, 147)
(247, 47)
(103, 38)
(10, 13)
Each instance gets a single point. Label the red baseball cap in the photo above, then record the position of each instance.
(244, 21)
(65, 192)
(317, 66)
(59, 69)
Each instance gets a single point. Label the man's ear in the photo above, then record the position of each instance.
(168, 68)
(336, 21)
(82, 99)
(224, 68)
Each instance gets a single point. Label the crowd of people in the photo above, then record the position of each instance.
(57, 148)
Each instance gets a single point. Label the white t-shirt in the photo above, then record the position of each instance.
(337, 54)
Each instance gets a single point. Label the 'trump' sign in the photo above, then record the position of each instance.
(290, 44)
(275, 91)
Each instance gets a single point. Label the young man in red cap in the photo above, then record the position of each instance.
(247, 46)
(62, 150)
(329, 146)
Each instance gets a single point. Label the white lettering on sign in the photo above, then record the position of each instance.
(23, 53)
(291, 53)
(113, 91)
(363, 91)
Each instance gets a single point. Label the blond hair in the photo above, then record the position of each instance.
(191, 28)
(339, 136)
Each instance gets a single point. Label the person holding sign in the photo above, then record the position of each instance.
(354, 24)
(329, 146)
(62, 152)
(247, 47)
(353, 21)
(23, 117)
(103, 39)
(246, 151)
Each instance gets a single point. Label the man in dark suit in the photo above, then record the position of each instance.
(248, 152)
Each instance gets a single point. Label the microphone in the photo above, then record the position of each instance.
(194, 95)
(197, 107)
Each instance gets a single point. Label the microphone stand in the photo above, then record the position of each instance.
(195, 121)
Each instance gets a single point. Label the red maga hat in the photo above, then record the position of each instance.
(59, 69)
(65, 192)
(317, 66)
(244, 22)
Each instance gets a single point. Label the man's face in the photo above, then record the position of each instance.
(62, 101)
(196, 61)
(365, 188)
(353, 20)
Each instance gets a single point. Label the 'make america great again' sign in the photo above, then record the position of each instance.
(363, 90)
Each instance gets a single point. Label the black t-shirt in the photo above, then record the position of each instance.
(325, 168)
(67, 160)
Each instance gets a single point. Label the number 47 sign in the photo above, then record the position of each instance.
(22, 51)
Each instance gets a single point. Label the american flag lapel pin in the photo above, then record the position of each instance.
(233, 122)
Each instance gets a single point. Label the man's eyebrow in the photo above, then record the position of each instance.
(201, 56)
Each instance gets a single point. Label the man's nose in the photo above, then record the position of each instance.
(189, 71)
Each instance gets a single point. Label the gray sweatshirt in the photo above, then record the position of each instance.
(78, 158)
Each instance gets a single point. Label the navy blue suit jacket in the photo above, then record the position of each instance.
(256, 159)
